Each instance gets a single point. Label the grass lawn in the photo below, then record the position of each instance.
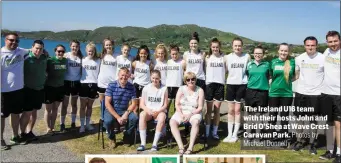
(87, 143)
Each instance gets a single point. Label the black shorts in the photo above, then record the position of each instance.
(234, 93)
(101, 90)
(53, 94)
(301, 100)
(12, 102)
(331, 106)
(138, 89)
(200, 83)
(280, 101)
(214, 91)
(172, 92)
(89, 90)
(72, 87)
(256, 97)
(33, 99)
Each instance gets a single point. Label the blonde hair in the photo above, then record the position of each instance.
(92, 46)
(189, 75)
(287, 66)
(163, 47)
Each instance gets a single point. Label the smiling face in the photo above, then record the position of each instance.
(108, 46)
(215, 48)
(283, 52)
(310, 47)
(174, 54)
(237, 46)
(258, 54)
(74, 48)
(155, 78)
(90, 51)
(60, 52)
(125, 50)
(37, 49)
(193, 45)
(160, 54)
(333, 42)
(143, 55)
(123, 76)
(11, 42)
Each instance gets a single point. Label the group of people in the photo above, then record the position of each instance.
(125, 85)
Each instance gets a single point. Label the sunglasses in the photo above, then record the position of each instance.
(13, 40)
(191, 79)
(60, 51)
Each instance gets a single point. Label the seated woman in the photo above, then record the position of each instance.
(154, 102)
(189, 103)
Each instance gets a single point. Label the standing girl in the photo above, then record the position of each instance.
(72, 83)
(215, 80)
(125, 59)
(141, 69)
(108, 70)
(235, 87)
(88, 92)
(54, 86)
(161, 57)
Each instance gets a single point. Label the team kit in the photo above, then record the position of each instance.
(31, 77)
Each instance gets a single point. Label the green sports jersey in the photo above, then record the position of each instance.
(56, 69)
(279, 87)
(164, 160)
(35, 71)
(258, 75)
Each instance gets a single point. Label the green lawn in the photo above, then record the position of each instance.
(88, 144)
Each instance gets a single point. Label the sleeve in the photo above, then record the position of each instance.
(110, 89)
(297, 63)
(293, 66)
(270, 68)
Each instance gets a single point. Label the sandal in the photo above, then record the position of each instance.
(188, 151)
(181, 151)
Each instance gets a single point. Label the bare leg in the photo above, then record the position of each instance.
(74, 108)
(84, 102)
(47, 116)
(54, 114)
(208, 117)
(32, 121)
(216, 117)
(194, 133)
(63, 111)
(176, 133)
(24, 119)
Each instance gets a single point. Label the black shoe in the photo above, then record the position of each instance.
(337, 159)
(312, 149)
(62, 128)
(4, 146)
(298, 147)
(73, 125)
(31, 137)
(327, 156)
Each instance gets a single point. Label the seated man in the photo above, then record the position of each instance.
(117, 98)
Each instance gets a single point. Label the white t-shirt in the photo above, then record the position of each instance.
(12, 69)
(142, 73)
(124, 62)
(90, 70)
(74, 67)
(331, 85)
(175, 74)
(236, 66)
(194, 63)
(154, 98)
(107, 72)
(311, 75)
(215, 69)
(162, 67)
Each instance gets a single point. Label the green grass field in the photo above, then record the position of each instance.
(88, 144)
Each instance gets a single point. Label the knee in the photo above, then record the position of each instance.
(133, 117)
(161, 118)
(195, 123)
(173, 124)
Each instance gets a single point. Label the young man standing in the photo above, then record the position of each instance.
(330, 96)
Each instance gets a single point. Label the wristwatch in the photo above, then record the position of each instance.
(128, 111)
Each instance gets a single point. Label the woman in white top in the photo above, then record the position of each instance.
(194, 61)
(189, 103)
(72, 83)
(215, 80)
(236, 83)
(161, 57)
(175, 73)
(142, 66)
(88, 92)
(125, 59)
(154, 102)
(108, 69)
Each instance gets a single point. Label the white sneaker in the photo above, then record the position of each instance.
(81, 129)
(227, 139)
(89, 127)
(233, 139)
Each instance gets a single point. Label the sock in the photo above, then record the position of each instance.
(143, 136)
(236, 129)
(215, 130)
(82, 121)
(156, 138)
(62, 120)
(164, 131)
(87, 120)
(73, 118)
(331, 151)
(230, 128)
(338, 151)
(208, 130)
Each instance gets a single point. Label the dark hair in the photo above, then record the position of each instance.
(310, 38)
(59, 45)
(38, 42)
(156, 72)
(214, 40)
(259, 46)
(104, 51)
(79, 53)
(173, 46)
(195, 36)
(144, 47)
(333, 33)
(237, 39)
(125, 44)
(11, 33)
(97, 160)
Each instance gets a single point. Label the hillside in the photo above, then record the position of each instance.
(135, 36)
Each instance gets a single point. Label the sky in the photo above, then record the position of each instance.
(282, 21)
